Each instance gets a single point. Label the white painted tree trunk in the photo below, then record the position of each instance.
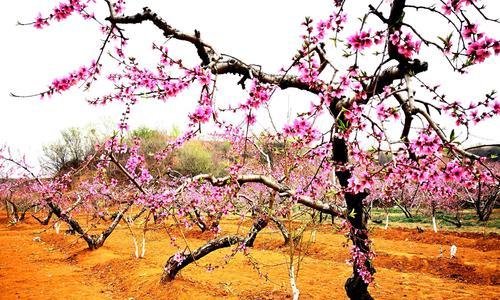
(136, 247)
(127, 221)
(434, 226)
(57, 226)
(143, 245)
(386, 221)
(295, 290)
(453, 251)
(313, 236)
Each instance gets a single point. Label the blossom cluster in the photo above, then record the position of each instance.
(384, 113)
(426, 144)
(60, 85)
(455, 5)
(480, 49)
(358, 184)
(259, 95)
(405, 43)
(475, 112)
(365, 39)
(63, 11)
(301, 129)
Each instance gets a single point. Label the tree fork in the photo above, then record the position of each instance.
(44, 221)
(93, 241)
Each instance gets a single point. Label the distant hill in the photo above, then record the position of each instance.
(491, 152)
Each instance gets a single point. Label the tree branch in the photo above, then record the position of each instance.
(212, 59)
(270, 182)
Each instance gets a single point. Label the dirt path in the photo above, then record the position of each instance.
(408, 267)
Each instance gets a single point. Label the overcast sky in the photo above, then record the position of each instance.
(262, 32)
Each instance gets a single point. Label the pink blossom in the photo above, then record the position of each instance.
(496, 107)
(179, 258)
(455, 5)
(201, 114)
(360, 40)
(359, 183)
(40, 22)
(383, 113)
(123, 126)
(469, 30)
(405, 44)
(259, 94)
(302, 129)
(480, 50)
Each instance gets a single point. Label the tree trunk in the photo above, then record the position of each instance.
(7, 208)
(198, 220)
(355, 286)
(405, 210)
(24, 211)
(386, 221)
(293, 284)
(46, 220)
(179, 261)
(484, 211)
(434, 224)
(15, 211)
(93, 241)
(284, 231)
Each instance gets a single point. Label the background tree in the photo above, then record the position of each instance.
(74, 146)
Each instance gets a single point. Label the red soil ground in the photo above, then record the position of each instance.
(408, 265)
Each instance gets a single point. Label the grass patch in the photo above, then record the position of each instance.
(424, 219)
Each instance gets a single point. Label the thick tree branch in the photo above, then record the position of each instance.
(270, 182)
(216, 62)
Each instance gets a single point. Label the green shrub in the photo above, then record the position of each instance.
(197, 157)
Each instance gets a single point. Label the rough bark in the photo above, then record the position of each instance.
(273, 184)
(25, 210)
(136, 216)
(198, 220)
(7, 208)
(18, 214)
(14, 212)
(355, 287)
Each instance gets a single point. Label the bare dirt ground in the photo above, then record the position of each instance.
(408, 265)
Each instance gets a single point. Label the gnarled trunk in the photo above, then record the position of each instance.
(355, 286)
(176, 263)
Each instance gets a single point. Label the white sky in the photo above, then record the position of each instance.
(259, 31)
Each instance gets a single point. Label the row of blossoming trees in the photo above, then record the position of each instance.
(365, 85)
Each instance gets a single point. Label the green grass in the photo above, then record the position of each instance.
(424, 219)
